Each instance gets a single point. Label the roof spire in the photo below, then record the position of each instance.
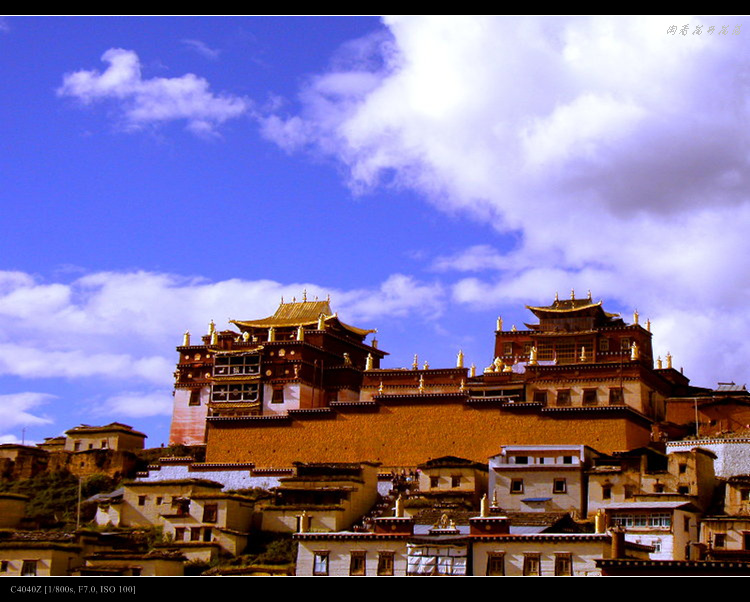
(460, 359)
(556, 297)
(572, 293)
(635, 316)
(589, 294)
(282, 299)
(304, 295)
(415, 365)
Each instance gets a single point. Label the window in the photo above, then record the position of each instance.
(195, 534)
(508, 349)
(207, 534)
(531, 564)
(625, 344)
(456, 481)
(683, 468)
(615, 396)
(567, 459)
(77, 446)
(516, 486)
(559, 486)
(434, 482)
(278, 395)
(604, 345)
(358, 563)
(746, 541)
(658, 487)
(606, 492)
(236, 364)
(657, 545)
(496, 564)
(4, 566)
(744, 495)
(563, 397)
(683, 490)
(159, 501)
(563, 564)
(195, 397)
(141, 500)
(320, 563)
(385, 563)
(589, 397)
(720, 540)
(28, 568)
(522, 459)
(179, 534)
(629, 491)
(235, 392)
(210, 513)
(686, 524)
(104, 444)
(91, 446)
(540, 397)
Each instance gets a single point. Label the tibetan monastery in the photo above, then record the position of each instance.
(303, 386)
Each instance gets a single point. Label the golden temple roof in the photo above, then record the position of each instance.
(570, 305)
(299, 313)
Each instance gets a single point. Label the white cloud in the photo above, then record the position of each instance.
(135, 404)
(614, 152)
(152, 101)
(203, 49)
(19, 411)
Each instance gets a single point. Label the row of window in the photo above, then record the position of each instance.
(455, 481)
(443, 565)
(589, 397)
(357, 563)
(566, 352)
(77, 446)
(182, 506)
(558, 486)
(195, 533)
(654, 519)
(28, 568)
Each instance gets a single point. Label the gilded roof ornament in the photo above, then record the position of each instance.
(557, 298)
(589, 294)
(634, 351)
(380, 388)
(532, 356)
(460, 359)
(368, 362)
(246, 336)
(398, 511)
(300, 333)
(572, 294)
(304, 296)
(484, 507)
(426, 366)
(186, 339)
(347, 359)
(415, 364)
(499, 323)
(648, 325)
(582, 358)
(635, 317)
(462, 386)
(211, 327)
(658, 363)
(513, 328)
(669, 360)
(214, 338)
(473, 370)
(421, 383)
(271, 334)
(498, 363)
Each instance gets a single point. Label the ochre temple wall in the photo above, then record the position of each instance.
(409, 434)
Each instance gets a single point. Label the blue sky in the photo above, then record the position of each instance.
(429, 173)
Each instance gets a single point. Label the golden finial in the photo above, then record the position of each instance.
(398, 511)
(484, 507)
(532, 356)
(347, 359)
(294, 299)
(462, 386)
(589, 294)
(300, 333)
(513, 328)
(211, 327)
(508, 368)
(374, 343)
(473, 371)
(648, 325)
(328, 297)
(421, 383)
(669, 360)
(214, 338)
(499, 323)
(304, 295)
(282, 299)
(415, 365)
(634, 351)
(186, 339)
(368, 362)
(246, 336)
(572, 294)
(271, 334)
(556, 297)
(296, 370)
(583, 354)
(426, 366)
(658, 362)
(380, 388)
(494, 498)
(460, 359)
(635, 317)
(303, 522)
(316, 297)
(321, 322)
(498, 363)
